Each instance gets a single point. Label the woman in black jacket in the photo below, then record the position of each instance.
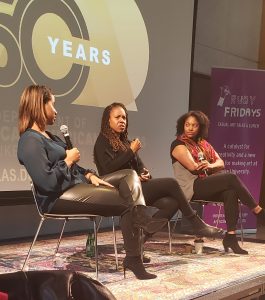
(113, 151)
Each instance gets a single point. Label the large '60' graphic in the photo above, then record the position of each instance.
(18, 20)
(47, 42)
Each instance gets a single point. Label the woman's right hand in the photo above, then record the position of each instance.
(97, 181)
(135, 145)
(72, 156)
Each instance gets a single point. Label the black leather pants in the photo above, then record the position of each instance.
(103, 200)
(106, 201)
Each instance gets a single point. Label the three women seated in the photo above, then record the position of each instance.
(124, 186)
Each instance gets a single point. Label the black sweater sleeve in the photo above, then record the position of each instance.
(107, 160)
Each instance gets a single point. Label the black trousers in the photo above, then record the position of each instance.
(106, 201)
(167, 196)
(226, 188)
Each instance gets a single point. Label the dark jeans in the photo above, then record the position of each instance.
(226, 188)
(106, 201)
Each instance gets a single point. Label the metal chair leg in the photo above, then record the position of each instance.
(219, 214)
(99, 223)
(32, 244)
(60, 237)
(176, 221)
(115, 242)
(241, 223)
(169, 237)
(203, 212)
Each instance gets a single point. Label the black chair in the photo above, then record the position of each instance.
(66, 218)
(52, 285)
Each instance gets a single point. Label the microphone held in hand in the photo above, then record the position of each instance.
(200, 159)
(200, 154)
(64, 131)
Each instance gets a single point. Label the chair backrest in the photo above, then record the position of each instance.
(35, 198)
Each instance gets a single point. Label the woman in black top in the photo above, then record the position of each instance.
(198, 170)
(62, 186)
(113, 151)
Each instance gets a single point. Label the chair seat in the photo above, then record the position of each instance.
(70, 216)
(65, 218)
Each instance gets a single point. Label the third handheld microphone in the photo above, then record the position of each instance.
(200, 159)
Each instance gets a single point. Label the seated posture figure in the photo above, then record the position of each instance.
(62, 186)
(198, 170)
(113, 151)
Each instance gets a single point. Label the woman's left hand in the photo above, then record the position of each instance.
(97, 181)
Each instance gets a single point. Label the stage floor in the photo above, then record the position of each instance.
(181, 274)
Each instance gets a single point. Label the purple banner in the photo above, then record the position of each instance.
(237, 129)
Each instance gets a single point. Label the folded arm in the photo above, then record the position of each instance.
(182, 154)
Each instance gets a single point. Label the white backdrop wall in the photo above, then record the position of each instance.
(227, 34)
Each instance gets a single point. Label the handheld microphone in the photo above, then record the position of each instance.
(135, 158)
(200, 155)
(64, 131)
(200, 159)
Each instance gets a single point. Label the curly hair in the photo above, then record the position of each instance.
(202, 120)
(118, 142)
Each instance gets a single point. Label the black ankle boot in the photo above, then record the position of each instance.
(142, 220)
(135, 264)
(230, 241)
(202, 229)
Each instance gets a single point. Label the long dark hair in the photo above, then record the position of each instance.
(32, 107)
(201, 118)
(118, 142)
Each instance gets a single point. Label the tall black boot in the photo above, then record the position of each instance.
(202, 229)
(141, 219)
(135, 264)
(230, 241)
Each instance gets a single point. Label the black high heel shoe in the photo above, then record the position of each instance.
(230, 241)
(142, 220)
(134, 263)
(200, 228)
